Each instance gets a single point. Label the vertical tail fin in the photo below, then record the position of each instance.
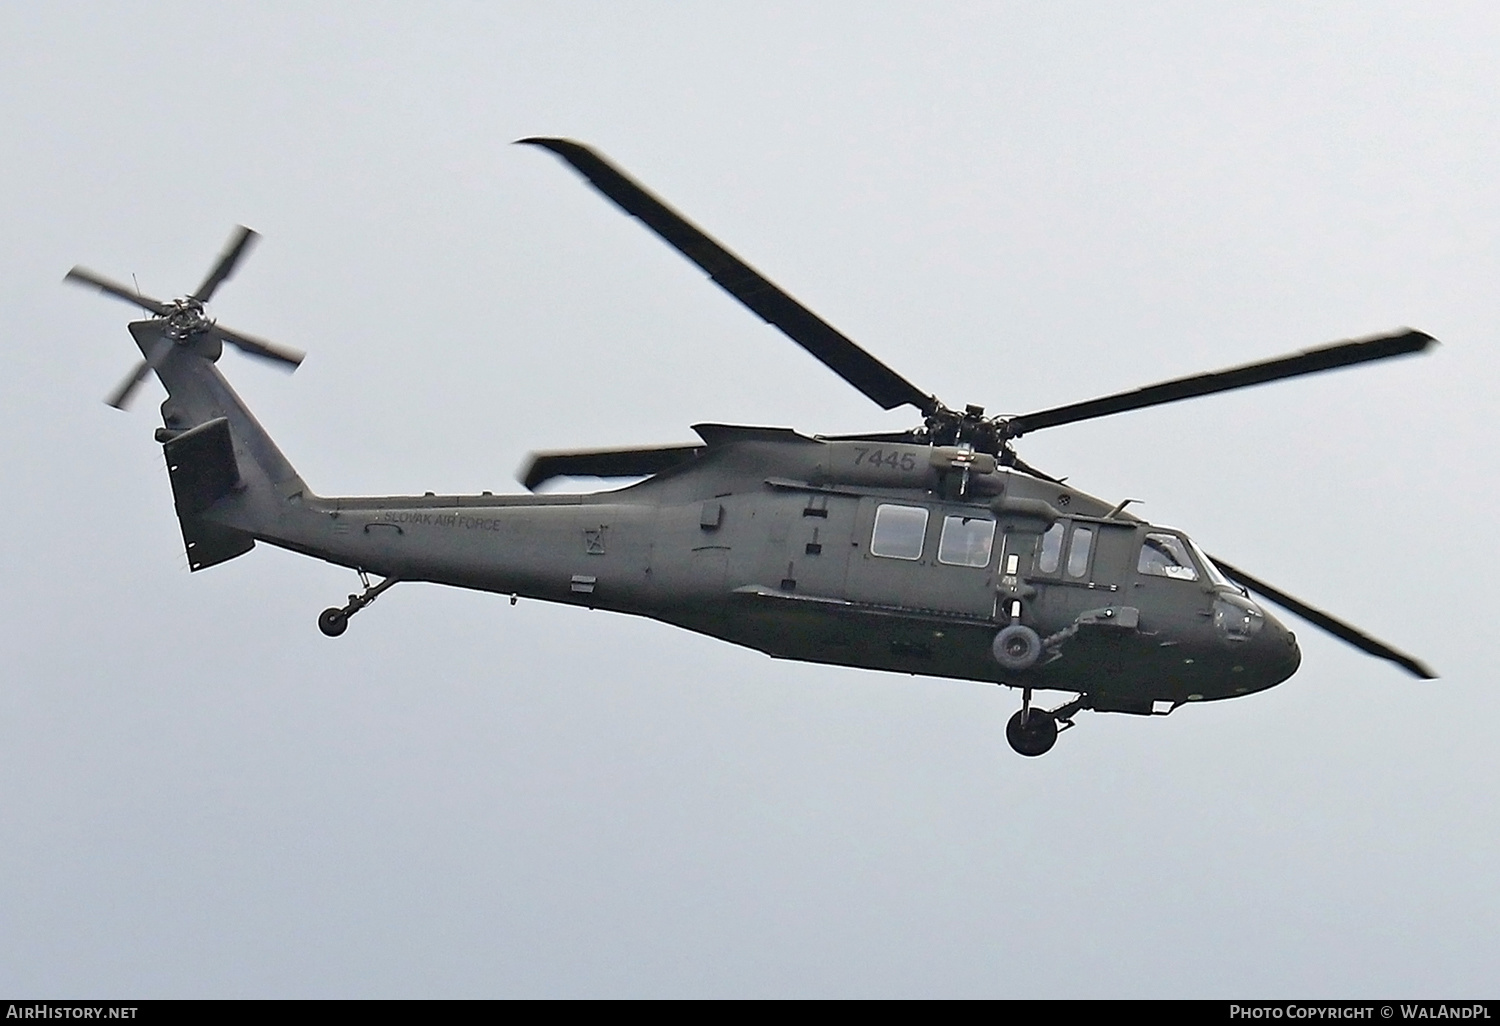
(230, 482)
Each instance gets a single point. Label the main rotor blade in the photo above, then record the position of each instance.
(83, 276)
(1308, 361)
(1343, 631)
(838, 353)
(1027, 468)
(898, 437)
(238, 244)
(543, 466)
(260, 347)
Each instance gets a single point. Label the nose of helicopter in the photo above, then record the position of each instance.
(1264, 652)
(1277, 655)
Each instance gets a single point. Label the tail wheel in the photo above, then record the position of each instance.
(333, 622)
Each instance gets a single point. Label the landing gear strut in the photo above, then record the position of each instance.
(1034, 731)
(334, 621)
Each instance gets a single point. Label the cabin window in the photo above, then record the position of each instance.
(966, 541)
(1165, 555)
(899, 531)
(1078, 552)
(1050, 553)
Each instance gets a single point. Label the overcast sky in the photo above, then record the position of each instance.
(1013, 205)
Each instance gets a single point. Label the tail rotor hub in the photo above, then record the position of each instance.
(186, 319)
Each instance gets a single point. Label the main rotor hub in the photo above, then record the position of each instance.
(970, 428)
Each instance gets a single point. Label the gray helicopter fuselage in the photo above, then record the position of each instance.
(785, 544)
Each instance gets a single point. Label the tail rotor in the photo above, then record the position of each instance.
(184, 321)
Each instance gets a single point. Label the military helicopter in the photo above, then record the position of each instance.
(933, 551)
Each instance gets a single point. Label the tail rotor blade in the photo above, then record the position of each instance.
(83, 276)
(239, 243)
(120, 397)
(260, 347)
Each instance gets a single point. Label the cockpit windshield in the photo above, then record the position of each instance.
(1166, 555)
(1214, 573)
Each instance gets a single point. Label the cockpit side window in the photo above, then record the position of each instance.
(899, 532)
(1165, 555)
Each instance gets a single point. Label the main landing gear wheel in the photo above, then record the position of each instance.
(333, 622)
(1032, 731)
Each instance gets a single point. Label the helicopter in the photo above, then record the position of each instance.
(935, 551)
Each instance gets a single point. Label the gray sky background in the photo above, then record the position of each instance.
(1015, 205)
